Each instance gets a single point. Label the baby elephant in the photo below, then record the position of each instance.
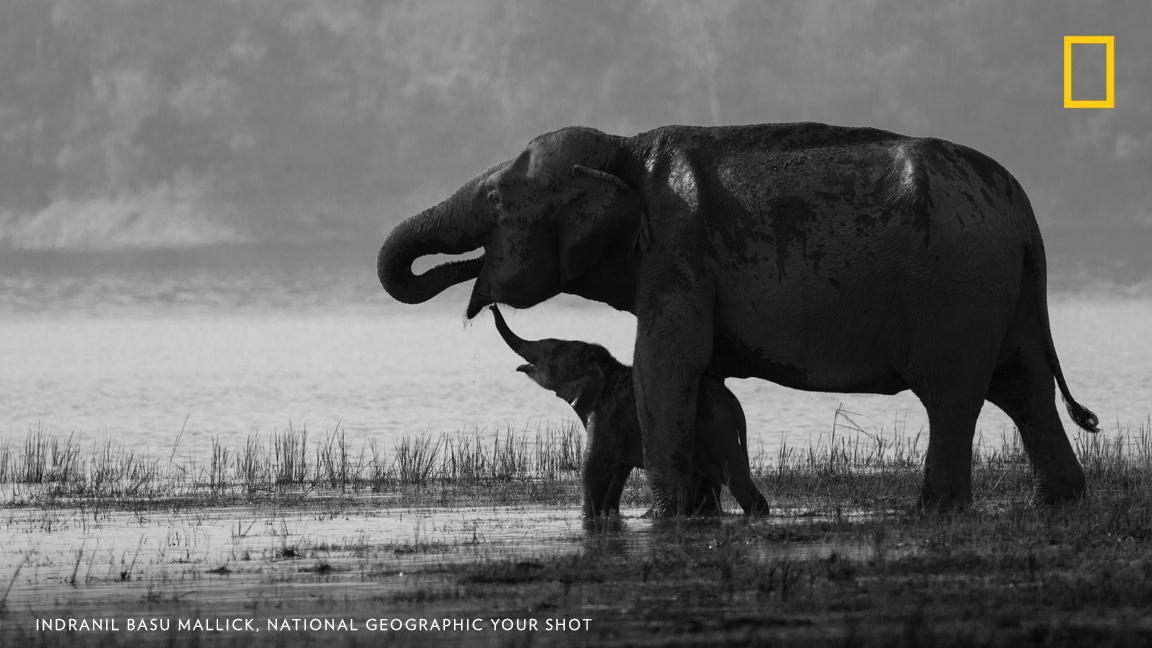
(600, 389)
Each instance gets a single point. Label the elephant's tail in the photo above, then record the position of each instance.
(1038, 264)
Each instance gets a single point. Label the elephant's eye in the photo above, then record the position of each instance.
(494, 198)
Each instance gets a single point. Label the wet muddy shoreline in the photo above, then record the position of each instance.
(349, 571)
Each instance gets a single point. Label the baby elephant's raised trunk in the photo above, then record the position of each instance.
(523, 348)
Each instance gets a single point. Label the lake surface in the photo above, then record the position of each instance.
(170, 350)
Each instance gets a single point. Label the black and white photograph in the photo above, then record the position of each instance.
(554, 323)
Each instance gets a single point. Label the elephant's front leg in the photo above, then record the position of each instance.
(673, 347)
(604, 477)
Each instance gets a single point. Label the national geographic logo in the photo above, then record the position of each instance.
(1109, 43)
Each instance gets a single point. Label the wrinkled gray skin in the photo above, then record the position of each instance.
(818, 257)
(600, 390)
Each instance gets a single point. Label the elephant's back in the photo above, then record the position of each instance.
(708, 141)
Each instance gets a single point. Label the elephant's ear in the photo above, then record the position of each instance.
(583, 393)
(602, 215)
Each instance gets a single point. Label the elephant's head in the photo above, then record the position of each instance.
(574, 371)
(547, 221)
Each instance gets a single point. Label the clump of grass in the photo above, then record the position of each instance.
(1121, 457)
(507, 455)
(336, 469)
(465, 458)
(378, 476)
(218, 467)
(510, 457)
(290, 456)
(48, 459)
(559, 450)
(251, 464)
(416, 459)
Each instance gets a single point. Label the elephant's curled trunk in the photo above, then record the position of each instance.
(455, 226)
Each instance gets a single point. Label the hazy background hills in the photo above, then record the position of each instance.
(145, 123)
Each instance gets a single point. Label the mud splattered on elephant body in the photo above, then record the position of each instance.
(810, 233)
(791, 210)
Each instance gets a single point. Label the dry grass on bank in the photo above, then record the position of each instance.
(849, 467)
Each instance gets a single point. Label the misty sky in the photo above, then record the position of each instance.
(133, 122)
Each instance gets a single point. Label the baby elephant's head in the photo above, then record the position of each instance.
(574, 370)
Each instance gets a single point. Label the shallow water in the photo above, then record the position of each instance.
(91, 557)
(355, 560)
(229, 561)
(166, 353)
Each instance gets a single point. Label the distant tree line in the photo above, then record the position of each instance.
(347, 114)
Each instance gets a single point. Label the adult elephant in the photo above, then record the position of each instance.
(819, 257)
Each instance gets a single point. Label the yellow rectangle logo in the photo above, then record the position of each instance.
(1109, 43)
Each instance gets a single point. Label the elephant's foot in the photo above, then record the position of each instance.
(706, 507)
(653, 514)
(943, 501)
(679, 510)
(607, 509)
(702, 503)
(1061, 490)
(600, 514)
(946, 488)
(749, 498)
(604, 524)
(759, 508)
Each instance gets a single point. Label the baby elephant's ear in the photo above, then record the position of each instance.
(601, 215)
(583, 392)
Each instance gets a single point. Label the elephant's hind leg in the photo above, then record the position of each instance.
(703, 497)
(1024, 388)
(746, 493)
